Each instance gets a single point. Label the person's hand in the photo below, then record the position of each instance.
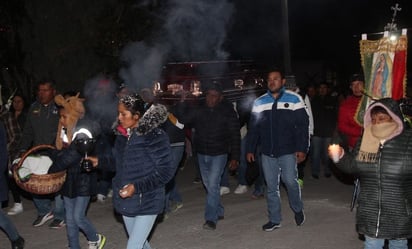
(335, 152)
(94, 160)
(127, 191)
(250, 157)
(300, 157)
(233, 164)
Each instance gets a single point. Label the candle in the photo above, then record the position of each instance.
(334, 151)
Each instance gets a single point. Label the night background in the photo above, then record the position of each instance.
(74, 41)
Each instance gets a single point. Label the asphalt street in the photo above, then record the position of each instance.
(329, 222)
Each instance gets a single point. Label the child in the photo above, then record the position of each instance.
(79, 185)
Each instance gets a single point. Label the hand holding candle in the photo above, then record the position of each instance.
(334, 152)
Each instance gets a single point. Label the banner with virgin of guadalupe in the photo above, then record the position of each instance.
(384, 67)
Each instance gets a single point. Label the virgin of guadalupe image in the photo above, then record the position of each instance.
(381, 80)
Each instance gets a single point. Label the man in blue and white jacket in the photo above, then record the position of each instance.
(280, 124)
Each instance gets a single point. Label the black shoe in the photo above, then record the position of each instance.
(40, 220)
(221, 217)
(18, 243)
(300, 218)
(209, 225)
(315, 176)
(57, 224)
(328, 175)
(270, 226)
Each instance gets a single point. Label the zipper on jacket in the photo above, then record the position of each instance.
(379, 189)
(140, 198)
(271, 129)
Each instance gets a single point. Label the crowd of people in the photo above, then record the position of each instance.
(140, 144)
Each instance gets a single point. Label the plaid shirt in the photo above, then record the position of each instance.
(14, 133)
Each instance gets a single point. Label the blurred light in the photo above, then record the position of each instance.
(393, 37)
(156, 88)
(195, 88)
(238, 83)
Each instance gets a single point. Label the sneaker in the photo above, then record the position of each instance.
(257, 196)
(18, 243)
(224, 190)
(40, 220)
(99, 244)
(57, 224)
(270, 226)
(300, 218)
(241, 189)
(300, 182)
(328, 175)
(176, 206)
(209, 225)
(110, 193)
(315, 176)
(101, 198)
(16, 209)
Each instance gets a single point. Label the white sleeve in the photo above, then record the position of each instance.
(309, 108)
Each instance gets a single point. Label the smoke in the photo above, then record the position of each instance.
(197, 29)
(101, 101)
(144, 64)
(192, 31)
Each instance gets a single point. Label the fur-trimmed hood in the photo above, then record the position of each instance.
(155, 116)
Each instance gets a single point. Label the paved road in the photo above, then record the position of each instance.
(329, 223)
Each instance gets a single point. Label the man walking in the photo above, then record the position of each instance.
(280, 123)
(217, 140)
(41, 128)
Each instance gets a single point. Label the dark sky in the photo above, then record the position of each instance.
(327, 30)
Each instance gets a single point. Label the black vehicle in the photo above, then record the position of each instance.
(237, 77)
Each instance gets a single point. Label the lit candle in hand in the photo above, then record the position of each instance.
(334, 152)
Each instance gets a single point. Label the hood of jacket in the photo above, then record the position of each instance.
(155, 116)
(392, 107)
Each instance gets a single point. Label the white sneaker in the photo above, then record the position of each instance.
(16, 209)
(110, 193)
(99, 244)
(241, 189)
(224, 190)
(101, 198)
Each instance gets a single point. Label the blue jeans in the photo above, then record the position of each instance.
(285, 168)
(44, 206)
(319, 153)
(211, 170)
(139, 228)
(172, 194)
(7, 225)
(373, 243)
(260, 181)
(76, 219)
(241, 171)
(224, 181)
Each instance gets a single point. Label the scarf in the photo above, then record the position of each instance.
(373, 136)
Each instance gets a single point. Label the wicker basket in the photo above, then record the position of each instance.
(40, 184)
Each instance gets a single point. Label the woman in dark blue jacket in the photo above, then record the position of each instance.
(143, 162)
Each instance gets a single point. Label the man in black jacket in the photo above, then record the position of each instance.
(217, 138)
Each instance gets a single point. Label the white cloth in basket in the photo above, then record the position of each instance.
(37, 164)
